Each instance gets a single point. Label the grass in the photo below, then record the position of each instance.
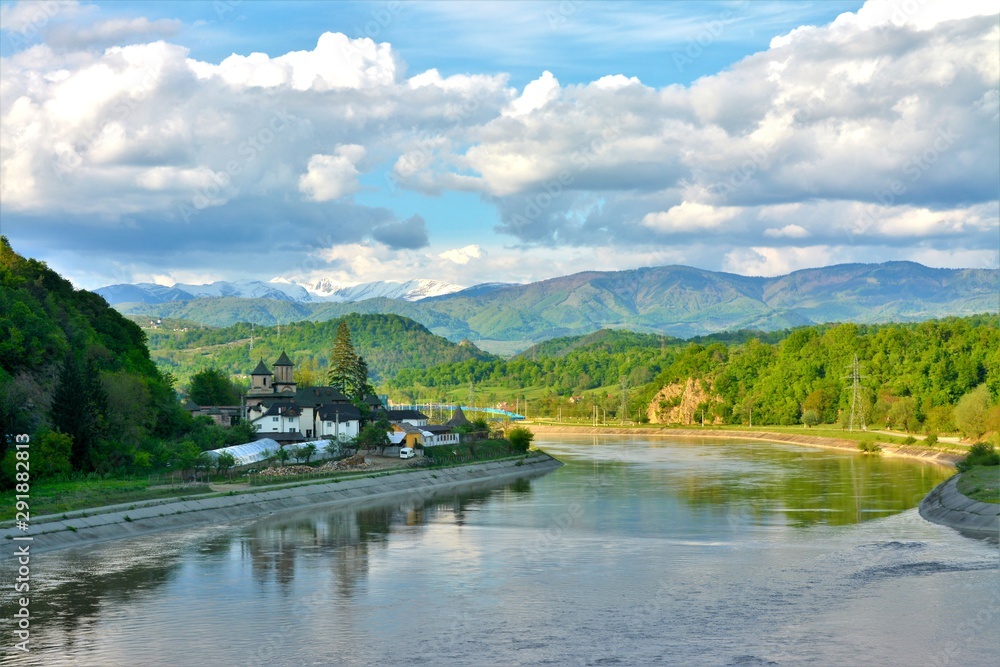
(51, 497)
(981, 483)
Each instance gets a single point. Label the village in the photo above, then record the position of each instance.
(325, 423)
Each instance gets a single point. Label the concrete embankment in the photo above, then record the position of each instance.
(906, 451)
(947, 506)
(415, 485)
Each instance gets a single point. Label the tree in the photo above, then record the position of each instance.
(283, 455)
(224, 461)
(343, 361)
(375, 435)
(51, 454)
(295, 453)
(971, 412)
(307, 451)
(520, 438)
(810, 418)
(213, 387)
(76, 410)
(348, 370)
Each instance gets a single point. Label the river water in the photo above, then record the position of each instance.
(637, 551)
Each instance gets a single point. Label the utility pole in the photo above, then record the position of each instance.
(624, 412)
(857, 410)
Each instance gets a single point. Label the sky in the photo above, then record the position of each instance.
(476, 142)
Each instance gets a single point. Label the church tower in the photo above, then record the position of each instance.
(284, 381)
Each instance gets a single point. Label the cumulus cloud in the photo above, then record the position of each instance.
(332, 176)
(463, 255)
(879, 130)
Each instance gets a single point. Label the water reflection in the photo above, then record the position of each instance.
(633, 552)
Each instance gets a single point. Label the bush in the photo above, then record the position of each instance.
(931, 439)
(810, 418)
(870, 447)
(909, 440)
(520, 438)
(980, 454)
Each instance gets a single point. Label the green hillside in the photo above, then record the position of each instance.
(914, 374)
(675, 301)
(388, 343)
(70, 362)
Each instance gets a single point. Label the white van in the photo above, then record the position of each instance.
(407, 453)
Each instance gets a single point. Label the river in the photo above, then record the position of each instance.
(637, 551)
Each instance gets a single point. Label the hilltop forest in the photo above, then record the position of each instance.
(76, 377)
(912, 375)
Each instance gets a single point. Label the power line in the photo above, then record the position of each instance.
(856, 408)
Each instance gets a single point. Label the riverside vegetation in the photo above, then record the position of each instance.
(79, 378)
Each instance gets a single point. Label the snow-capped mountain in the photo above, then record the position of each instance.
(280, 289)
(411, 290)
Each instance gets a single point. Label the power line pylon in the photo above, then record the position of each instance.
(856, 408)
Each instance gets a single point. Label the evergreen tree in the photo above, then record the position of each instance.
(75, 410)
(343, 361)
(348, 370)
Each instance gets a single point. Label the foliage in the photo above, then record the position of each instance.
(520, 438)
(224, 462)
(213, 387)
(971, 412)
(307, 451)
(913, 374)
(374, 435)
(980, 454)
(870, 447)
(388, 343)
(810, 418)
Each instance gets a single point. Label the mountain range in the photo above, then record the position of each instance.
(279, 289)
(676, 300)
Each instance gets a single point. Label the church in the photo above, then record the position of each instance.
(279, 409)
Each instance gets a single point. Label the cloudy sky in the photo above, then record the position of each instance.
(472, 142)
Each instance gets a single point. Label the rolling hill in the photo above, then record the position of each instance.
(677, 301)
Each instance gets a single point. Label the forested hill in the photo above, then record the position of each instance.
(388, 343)
(913, 374)
(70, 361)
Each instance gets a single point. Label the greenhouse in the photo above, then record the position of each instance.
(250, 452)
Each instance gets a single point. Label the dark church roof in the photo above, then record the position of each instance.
(400, 415)
(458, 418)
(283, 360)
(343, 413)
(317, 396)
(261, 369)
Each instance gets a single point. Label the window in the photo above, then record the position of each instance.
(274, 419)
(329, 424)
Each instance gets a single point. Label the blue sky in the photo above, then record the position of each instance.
(473, 142)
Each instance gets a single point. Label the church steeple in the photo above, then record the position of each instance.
(284, 379)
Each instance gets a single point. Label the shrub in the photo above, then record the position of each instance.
(931, 439)
(909, 440)
(870, 447)
(980, 454)
(520, 438)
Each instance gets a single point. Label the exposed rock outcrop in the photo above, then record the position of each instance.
(678, 403)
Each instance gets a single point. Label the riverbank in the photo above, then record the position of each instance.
(946, 505)
(926, 454)
(100, 526)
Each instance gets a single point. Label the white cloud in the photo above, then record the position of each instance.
(463, 255)
(332, 176)
(337, 62)
(788, 231)
(536, 95)
(768, 261)
(689, 217)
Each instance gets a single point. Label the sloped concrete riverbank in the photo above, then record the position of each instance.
(949, 507)
(120, 524)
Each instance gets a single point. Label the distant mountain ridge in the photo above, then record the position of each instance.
(679, 301)
(324, 290)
